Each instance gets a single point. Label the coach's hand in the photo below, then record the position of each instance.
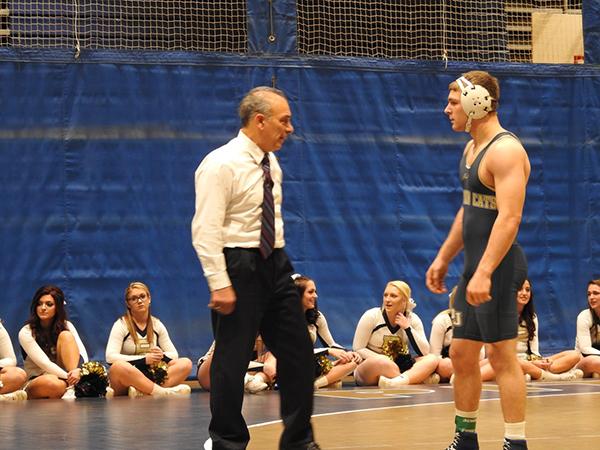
(223, 300)
(478, 289)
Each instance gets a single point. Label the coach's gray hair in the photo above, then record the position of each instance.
(254, 102)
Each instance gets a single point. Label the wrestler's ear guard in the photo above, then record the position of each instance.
(476, 101)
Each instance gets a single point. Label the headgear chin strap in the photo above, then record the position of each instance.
(476, 101)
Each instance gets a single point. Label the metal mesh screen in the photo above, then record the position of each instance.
(460, 30)
(200, 25)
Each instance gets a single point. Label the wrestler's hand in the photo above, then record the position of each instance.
(479, 288)
(434, 278)
(223, 300)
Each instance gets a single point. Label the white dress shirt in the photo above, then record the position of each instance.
(229, 196)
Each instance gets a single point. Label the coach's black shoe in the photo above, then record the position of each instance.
(514, 444)
(313, 446)
(464, 440)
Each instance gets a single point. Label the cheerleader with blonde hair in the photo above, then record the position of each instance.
(384, 338)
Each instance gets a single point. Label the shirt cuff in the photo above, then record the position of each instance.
(218, 281)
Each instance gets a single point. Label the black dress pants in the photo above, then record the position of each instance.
(267, 303)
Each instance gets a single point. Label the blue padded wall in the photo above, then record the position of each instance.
(97, 183)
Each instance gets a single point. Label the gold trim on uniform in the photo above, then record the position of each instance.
(142, 347)
(478, 200)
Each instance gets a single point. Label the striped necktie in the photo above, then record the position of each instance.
(267, 229)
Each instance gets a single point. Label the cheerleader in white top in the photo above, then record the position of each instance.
(439, 342)
(139, 348)
(440, 339)
(383, 337)
(557, 367)
(51, 347)
(12, 378)
(588, 332)
(328, 374)
(203, 368)
(260, 378)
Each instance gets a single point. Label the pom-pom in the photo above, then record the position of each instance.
(93, 381)
(158, 373)
(323, 365)
(393, 347)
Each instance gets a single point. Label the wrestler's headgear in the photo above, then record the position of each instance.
(476, 101)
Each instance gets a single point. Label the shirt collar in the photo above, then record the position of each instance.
(255, 151)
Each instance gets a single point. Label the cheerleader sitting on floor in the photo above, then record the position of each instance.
(51, 347)
(12, 378)
(143, 359)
